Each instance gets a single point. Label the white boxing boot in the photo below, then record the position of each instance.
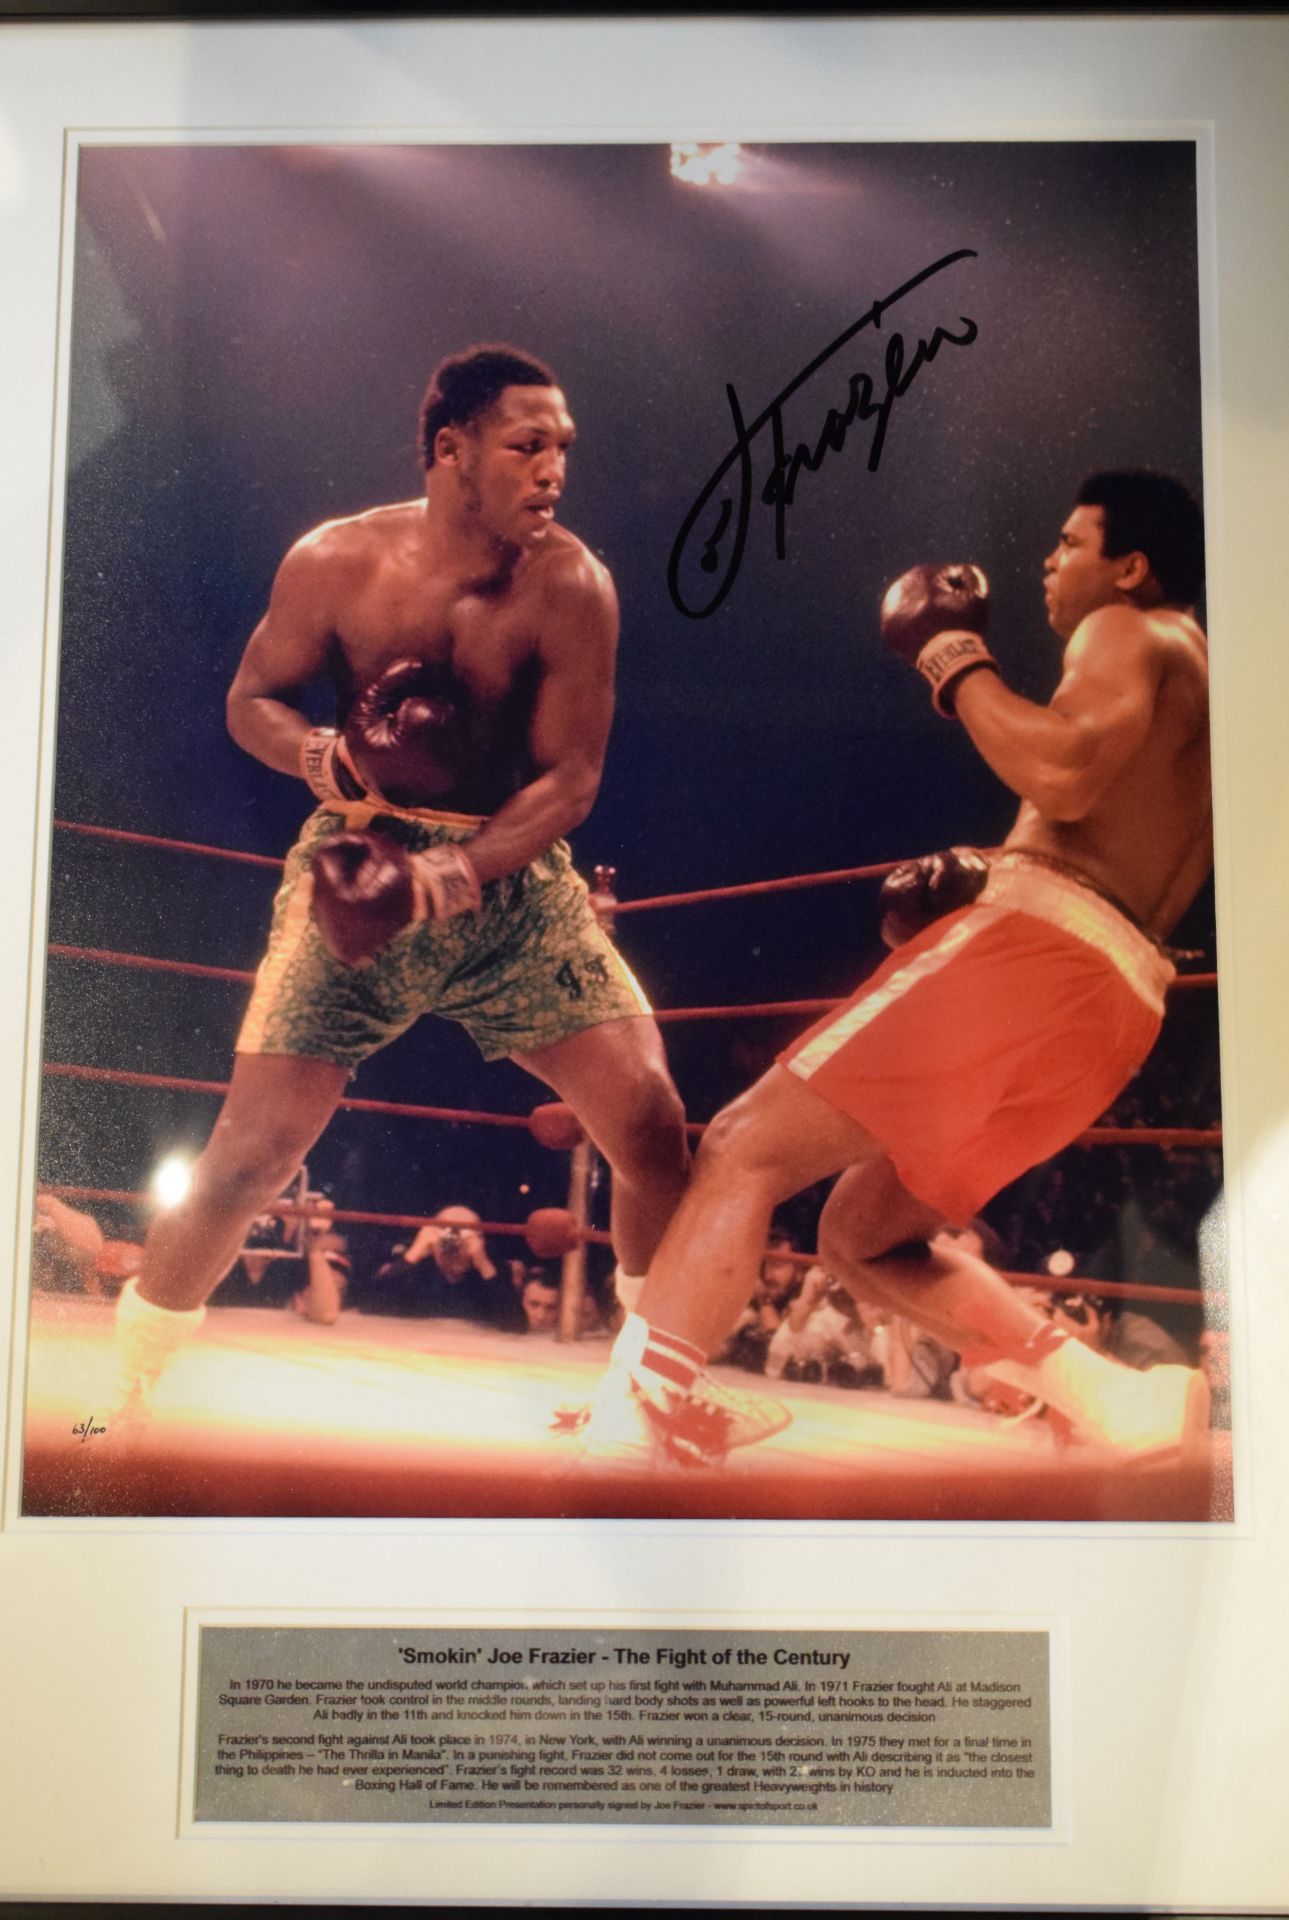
(1140, 1414)
(146, 1337)
(653, 1409)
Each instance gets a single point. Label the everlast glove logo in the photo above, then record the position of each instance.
(458, 894)
(314, 755)
(965, 647)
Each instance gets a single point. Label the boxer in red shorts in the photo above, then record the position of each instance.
(994, 1036)
(1043, 1002)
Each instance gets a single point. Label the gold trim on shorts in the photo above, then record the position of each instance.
(498, 973)
(359, 814)
(1018, 883)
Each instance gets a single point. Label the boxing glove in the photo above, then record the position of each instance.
(406, 734)
(367, 889)
(918, 892)
(326, 769)
(936, 618)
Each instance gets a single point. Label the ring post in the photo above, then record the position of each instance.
(572, 1287)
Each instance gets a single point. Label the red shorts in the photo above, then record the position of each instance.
(991, 1039)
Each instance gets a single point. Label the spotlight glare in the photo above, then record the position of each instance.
(172, 1181)
(706, 166)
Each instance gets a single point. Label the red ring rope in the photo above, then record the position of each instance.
(1044, 1283)
(1150, 1136)
(787, 884)
(790, 883)
(769, 1009)
(172, 846)
(148, 964)
(747, 889)
(288, 1209)
(111, 1076)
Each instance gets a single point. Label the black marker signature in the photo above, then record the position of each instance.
(779, 489)
(85, 1429)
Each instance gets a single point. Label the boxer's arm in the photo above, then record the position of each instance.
(483, 1266)
(1062, 758)
(288, 649)
(569, 731)
(80, 1232)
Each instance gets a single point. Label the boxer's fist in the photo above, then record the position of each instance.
(362, 894)
(367, 889)
(406, 734)
(936, 619)
(918, 892)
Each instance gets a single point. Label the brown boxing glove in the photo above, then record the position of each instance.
(406, 737)
(918, 892)
(367, 889)
(936, 619)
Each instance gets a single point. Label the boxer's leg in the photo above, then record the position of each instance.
(875, 1237)
(768, 1144)
(962, 1301)
(775, 1139)
(614, 1076)
(276, 1107)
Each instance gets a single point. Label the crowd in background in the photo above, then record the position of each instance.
(1092, 1219)
(296, 1258)
(1109, 1216)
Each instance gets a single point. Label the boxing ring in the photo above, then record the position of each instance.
(267, 1414)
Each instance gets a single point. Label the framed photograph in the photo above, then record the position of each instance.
(822, 392)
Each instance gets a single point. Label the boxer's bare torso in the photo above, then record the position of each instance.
(1113, 774)
(479, 580)
(390, 595)
(1147, 837)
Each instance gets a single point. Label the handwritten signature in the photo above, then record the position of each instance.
(85, 1429)
(778, 490)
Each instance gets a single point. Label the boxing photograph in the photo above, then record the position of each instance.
(630, 909)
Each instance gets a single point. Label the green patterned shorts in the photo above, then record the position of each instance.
(531, 967)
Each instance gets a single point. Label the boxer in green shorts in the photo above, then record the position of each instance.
(469, 642)
(531, 967)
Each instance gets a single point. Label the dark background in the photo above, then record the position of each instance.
(252, 329)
